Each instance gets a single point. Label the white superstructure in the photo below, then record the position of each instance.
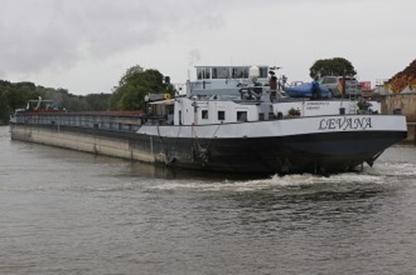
(232, 94)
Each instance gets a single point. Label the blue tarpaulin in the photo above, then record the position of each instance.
(312, 89)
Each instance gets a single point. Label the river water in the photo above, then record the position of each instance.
(65, 212)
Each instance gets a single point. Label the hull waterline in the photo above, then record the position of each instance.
(317, 153)
(304, 145)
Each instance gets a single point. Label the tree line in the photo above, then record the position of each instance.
(16, 95)
(129, 94)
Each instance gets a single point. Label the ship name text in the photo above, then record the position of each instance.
(345, 123)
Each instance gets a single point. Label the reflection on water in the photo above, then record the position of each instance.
(65, 212)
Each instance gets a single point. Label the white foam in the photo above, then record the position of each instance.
(274, 182)
(380, 173)
(212, 186)
(393, 169)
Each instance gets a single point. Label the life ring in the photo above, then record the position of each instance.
(167, 96)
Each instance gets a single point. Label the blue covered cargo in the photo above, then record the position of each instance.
(312, 89)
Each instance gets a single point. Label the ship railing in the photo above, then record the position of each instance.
(110, 122)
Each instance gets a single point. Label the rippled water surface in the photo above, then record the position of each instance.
(64, 212)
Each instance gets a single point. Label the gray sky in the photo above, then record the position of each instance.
(86, 46)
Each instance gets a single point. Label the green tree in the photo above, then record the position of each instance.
(98, 102)
(135, 85)
(131, 72)
(4, 109)
(336, 66)
(16, 95)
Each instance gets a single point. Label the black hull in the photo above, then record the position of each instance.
(321, 153)
(316, 153)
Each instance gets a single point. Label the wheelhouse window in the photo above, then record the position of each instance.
(204, 114)
(220, 73)
(242, 116)
(329, 80)
(263, 72)
(203, 73)
(241, 72)
(221, 115)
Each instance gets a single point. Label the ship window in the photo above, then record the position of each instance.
(220, 73)
(199, 73)
(240, 72)
(204, 114)
(263, 72)
(241, 116)
(221, 115)
(203, 73)
(329, 80)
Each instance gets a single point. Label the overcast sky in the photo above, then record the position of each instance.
(86, 46)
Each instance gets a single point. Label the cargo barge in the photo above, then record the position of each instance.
(232, 119)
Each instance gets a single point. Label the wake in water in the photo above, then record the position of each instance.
(379, 174)
(392, 169)
(275, 182)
